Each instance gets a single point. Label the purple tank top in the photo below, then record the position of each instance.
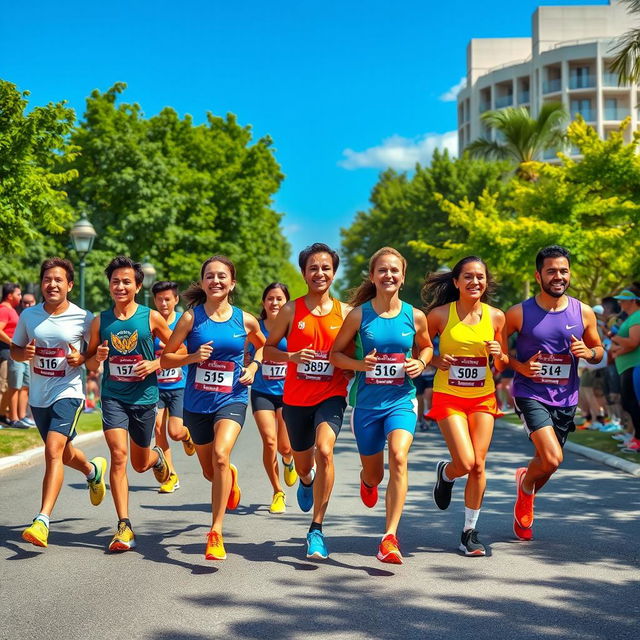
(549, 333)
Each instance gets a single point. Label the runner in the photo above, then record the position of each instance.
(464, 400)
(383, 394)
(314, 391)
(554, 332)
(215, 401)
(266, 402)
(50, 337)
(122, 338)
(170, 387)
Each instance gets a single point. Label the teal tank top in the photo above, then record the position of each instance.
(130, 341)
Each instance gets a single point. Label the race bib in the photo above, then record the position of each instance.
(168, 376)
(389, 369)
(215, 376)
(274, 370)
(318, 370)
(50, 363)
(121, 368)
(468, 372)
(556, 368)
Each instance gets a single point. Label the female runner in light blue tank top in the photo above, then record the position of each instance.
(216, 395)
(386, 331)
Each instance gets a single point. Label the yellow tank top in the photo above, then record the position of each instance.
(470, 376)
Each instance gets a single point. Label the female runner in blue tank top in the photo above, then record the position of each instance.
(215, 399)
(266, 402)
(386, 332)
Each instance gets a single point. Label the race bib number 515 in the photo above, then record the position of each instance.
(215, 376)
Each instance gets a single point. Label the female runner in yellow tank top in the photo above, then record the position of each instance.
(464, 401)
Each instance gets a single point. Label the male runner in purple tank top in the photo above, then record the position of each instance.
(554, 332)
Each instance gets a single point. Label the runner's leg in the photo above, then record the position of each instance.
(399, 444)
(455, 430)
(547, 459)
(480, 432)
(226, 433)
(325, 475)
(117, 441)
(268, 428)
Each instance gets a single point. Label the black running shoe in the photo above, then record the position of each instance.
(470, 544)
(442, 489)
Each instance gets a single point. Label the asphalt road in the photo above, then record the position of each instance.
(577, 579)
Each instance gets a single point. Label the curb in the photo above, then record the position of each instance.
(31, 456)
(599, 456)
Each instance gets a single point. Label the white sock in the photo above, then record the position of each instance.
(43, 517)
(92, 474)
(470, 518)
(445, 477)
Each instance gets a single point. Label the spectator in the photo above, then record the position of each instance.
(11, 296)
(28, 300)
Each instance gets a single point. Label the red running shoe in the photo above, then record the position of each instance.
(235, 493)
(369, 495)
(523, 508)
(389, 551)
(522, 533)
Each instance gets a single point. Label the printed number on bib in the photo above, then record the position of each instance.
(49, 362)
(121, 368)
(468, 372)
(168, 376)
(389, 369)
(274, 370)
(215, 376)
(317, 370)
(556, 368)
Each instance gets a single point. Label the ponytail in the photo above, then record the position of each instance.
(194, 295)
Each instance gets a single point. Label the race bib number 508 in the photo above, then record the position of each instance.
(468, 372)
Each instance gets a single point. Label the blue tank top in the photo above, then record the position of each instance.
(170, 379)
(387, 385)
(214, 383)
(550, 333)
(270, 376)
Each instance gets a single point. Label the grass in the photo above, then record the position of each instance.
(13, 441)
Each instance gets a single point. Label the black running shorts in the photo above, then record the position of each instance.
(302, 422)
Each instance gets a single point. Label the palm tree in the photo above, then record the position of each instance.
(521, 138)
(627, 60)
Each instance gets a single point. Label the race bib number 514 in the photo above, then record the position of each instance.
(555, 369)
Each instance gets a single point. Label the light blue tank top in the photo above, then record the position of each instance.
(388, 385)
(270, 376)
(170, 379)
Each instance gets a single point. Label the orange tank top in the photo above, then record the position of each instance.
(310, 383)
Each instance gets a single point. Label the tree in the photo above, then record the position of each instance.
(626, 62)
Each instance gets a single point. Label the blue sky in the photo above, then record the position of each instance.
(344, 88)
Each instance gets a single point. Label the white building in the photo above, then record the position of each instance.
(565, 60)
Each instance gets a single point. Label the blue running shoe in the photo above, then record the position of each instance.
(305, 494)
(316, 546)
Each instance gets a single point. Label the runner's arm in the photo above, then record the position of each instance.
(95, 351)
(280, 330)
(20, 337)
(513, 324)
(344, 340)
(159, 329)
(436, 321)
(590, 347)
(175, 354)
(415, 366)
(257, 339)
(498, 346)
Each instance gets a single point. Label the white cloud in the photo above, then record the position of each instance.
(401, 153)
(452, 94)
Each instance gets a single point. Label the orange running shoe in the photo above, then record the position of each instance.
(523, 508)
(522, 533)
(389, 551)
(215, 547)
(235, 493)
(368, 495)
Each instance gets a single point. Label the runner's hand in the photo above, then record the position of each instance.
(533, 367)
(445, 362)
(103, 351)
(30, 350)
(247, 376)
(74, 357)
(494, 349)
(204, 352)
(579, 349)
(304, 355)
(370, 361)
(145, 367)
(414, 367)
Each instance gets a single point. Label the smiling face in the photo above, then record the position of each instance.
(165, 302)
(55, 286)
(387, 274)
(318, 272)
(122, 285)
(274, 301)
(217, 281)
(472, 282)
(554, 276)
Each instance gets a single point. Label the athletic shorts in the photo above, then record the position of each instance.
(171, 400)
(372, 427)
(18, 374)
(138, 419)
(62, 417)
(201, 425)
(422, 383)
(265, 401)
(535, 415)
(444, 405)
(302, 422)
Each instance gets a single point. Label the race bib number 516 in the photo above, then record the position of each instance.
(49, 362)
(389, 369)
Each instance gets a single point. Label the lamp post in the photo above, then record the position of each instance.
(82, 235)
(149, 278)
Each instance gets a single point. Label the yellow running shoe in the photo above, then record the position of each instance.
(97, 487)
(170, 485)
(290, 473)
(36, 534)
(188, 444)
(124, 538)
(278, 504)
(162, 470)
(215, 547)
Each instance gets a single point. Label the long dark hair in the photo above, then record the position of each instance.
(195, 294)
(439, 289)
(270, 287)
(367, 290)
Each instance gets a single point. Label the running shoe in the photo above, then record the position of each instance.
(171, 485)
(389, 550)
(97, 487)
(316, 545)
(612, 427)
(632, 446)
(278, 504)
(470, 544)
(29, 421)
(161, 469)
(442, 489)
(368, 495)
(234, 495)
(37, 533)
(290, 473)
(522, 533)
(305, 494)
(623, 437)
(523, 508)
(18, 424)
(188, 444)
(215, 547)
(124, 538)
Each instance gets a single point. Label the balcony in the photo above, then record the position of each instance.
(504, 101)
(615, 113)
(551, 86)
(484, 106)
(523, 97)
(588, 114)
(587, 81)
(609, 79)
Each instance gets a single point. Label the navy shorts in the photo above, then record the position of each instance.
(62, 417)
(138, 419)
(422, 383)
(265, 401)
(171, 400)
(535, 415)
(201, 425)
(372, 427)
(302, 422)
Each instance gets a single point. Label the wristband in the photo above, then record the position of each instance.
(424, 365)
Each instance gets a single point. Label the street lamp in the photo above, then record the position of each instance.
(82, 235)
(149, 278)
